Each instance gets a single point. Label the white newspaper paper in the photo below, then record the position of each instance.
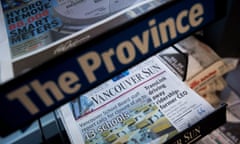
(6, 70)
(146, 104)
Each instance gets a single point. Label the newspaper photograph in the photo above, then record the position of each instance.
(145, 104)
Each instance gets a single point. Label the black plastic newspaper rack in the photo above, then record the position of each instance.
(202, 128)
(106, 55)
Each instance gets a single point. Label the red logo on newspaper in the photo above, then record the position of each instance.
(205, 78)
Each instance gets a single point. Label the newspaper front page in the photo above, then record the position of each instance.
(145, 104)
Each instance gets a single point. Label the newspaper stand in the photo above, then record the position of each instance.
(70, 64)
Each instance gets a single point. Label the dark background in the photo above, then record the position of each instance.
(224, 35)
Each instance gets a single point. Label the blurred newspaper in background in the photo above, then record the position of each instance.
(41, 30)
(229, 133)
(33, 24)
(199, 67)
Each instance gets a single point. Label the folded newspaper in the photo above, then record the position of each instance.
(198, 66)
(145, 104)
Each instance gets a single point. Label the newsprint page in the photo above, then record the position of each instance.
(145, 104)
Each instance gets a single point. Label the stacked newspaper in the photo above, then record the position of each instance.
(229, 132)
(199, 67)
(145, 104)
